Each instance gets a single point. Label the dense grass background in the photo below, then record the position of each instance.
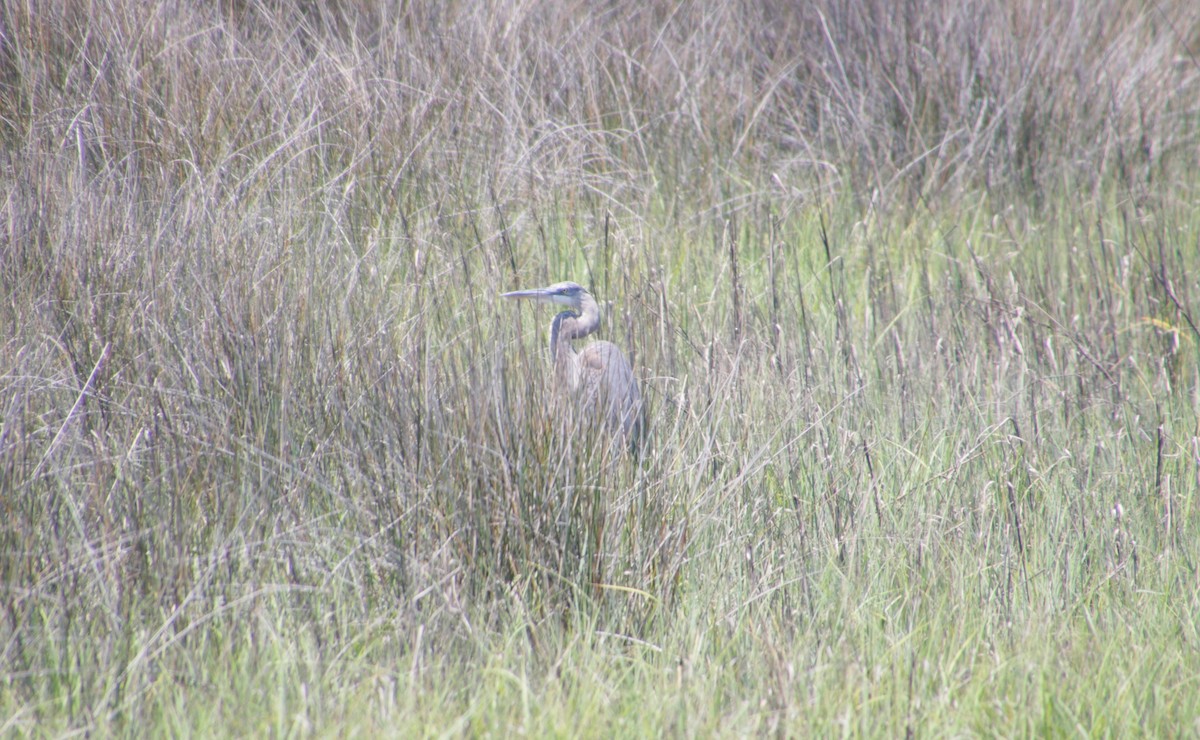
(913, 296)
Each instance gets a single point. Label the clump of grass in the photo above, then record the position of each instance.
(913, 302)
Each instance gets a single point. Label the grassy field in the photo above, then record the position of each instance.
(912, 295)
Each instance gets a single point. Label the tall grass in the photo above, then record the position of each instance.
(913, 298)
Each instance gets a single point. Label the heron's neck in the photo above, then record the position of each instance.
(569, 325)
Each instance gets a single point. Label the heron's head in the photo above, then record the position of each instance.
(563, 294)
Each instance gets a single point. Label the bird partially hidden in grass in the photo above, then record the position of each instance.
(596, 382)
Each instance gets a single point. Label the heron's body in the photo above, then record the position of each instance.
(596, 380)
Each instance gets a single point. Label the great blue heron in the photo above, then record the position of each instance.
(598, 380)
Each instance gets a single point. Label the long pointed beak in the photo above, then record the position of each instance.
(541, 295)
(538, 293)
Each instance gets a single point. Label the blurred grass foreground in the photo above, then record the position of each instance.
(911, 291)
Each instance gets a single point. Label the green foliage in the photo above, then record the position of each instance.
(913, 301)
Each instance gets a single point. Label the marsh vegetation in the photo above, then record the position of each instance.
(912, 297)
